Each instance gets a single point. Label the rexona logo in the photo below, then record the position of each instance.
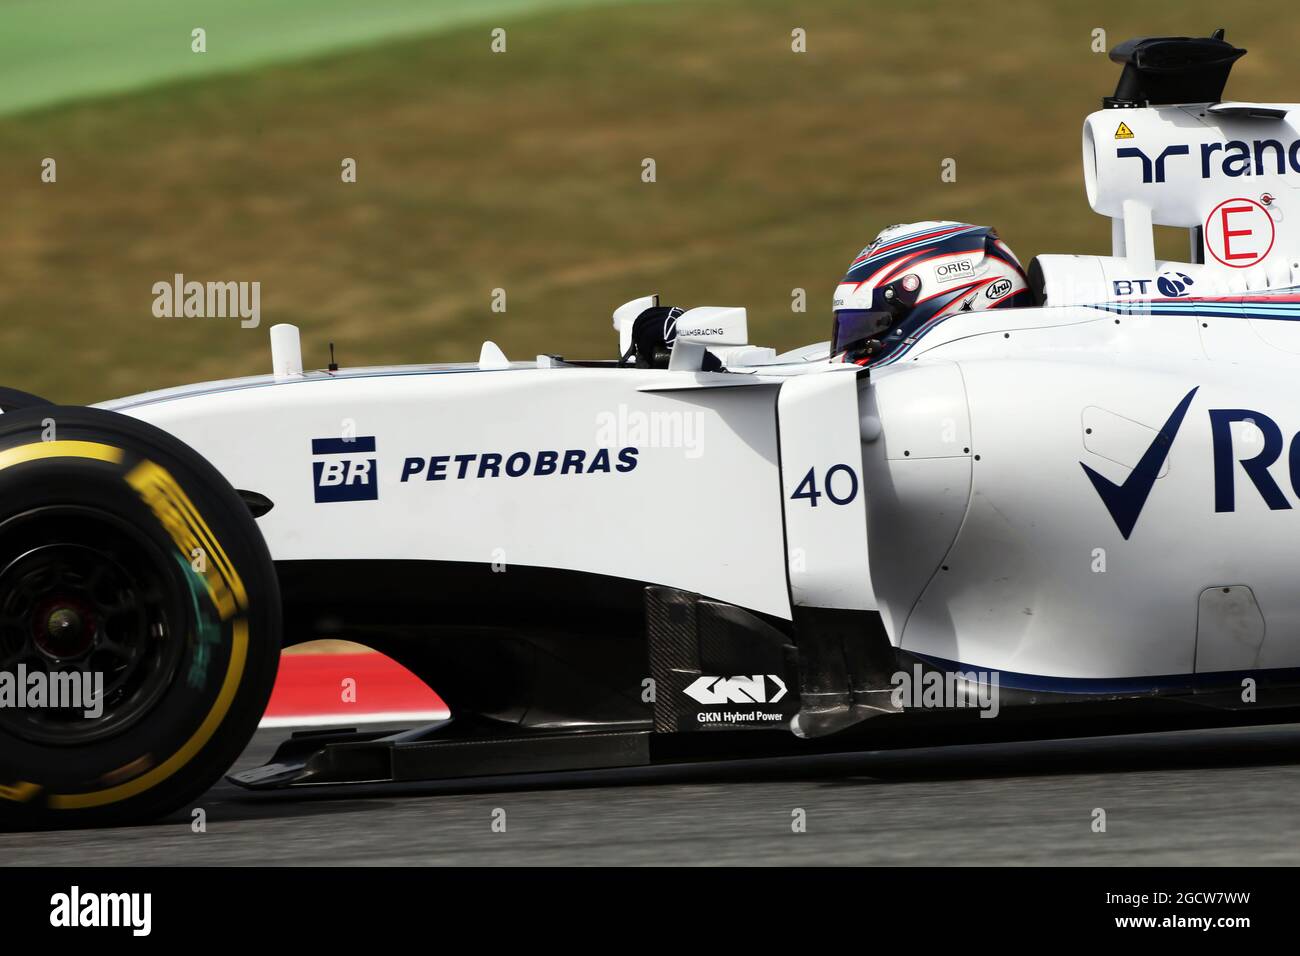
(745, 689)
(340, 474)
(1257, 465)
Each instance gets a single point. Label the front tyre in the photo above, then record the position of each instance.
(139, 620)
(12, 400)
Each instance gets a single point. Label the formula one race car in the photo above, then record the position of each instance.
(1075, 508)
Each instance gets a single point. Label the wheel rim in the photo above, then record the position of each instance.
(100, 608)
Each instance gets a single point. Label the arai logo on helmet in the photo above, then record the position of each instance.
(998, 289)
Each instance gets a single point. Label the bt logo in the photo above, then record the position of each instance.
(1170, 284)
(1173, 285)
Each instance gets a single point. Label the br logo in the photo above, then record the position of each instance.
(339, 474)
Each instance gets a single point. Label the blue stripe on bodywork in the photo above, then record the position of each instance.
(1110, 686)
(338, 446)
(267, 381)
(1282, 311)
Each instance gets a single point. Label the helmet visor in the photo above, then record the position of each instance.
(852, 329)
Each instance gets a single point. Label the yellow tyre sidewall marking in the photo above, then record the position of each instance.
(20, 792)
(180, 519)
(159, 476)
(60, 449)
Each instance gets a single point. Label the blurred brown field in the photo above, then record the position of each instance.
(522, 171)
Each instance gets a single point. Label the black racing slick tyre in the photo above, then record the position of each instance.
(12, 400)
(139, 620)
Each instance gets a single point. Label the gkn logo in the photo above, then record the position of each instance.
(339, 474)
(746, 689)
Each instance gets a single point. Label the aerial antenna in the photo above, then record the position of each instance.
(334, 366)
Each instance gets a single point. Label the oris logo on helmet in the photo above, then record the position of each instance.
(948, 271)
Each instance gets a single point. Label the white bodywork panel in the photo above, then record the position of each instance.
(825, 506)
(977, 531)
(699, 509)
(1038, 557)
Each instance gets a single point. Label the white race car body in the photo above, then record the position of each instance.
(980, 538)
(1082, 515)
(1097, 498)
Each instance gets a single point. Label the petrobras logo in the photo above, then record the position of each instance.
(956, 269)
(341, 473)
(518, 464)
(1236, 157)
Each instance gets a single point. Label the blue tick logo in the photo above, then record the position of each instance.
(1125, 501)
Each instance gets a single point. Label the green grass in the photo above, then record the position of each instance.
(522, 171)
(59, 50)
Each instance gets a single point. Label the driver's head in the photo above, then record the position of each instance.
(914, 276)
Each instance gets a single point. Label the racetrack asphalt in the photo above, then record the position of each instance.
(1216, 797)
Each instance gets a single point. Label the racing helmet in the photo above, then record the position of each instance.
(914, 276)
